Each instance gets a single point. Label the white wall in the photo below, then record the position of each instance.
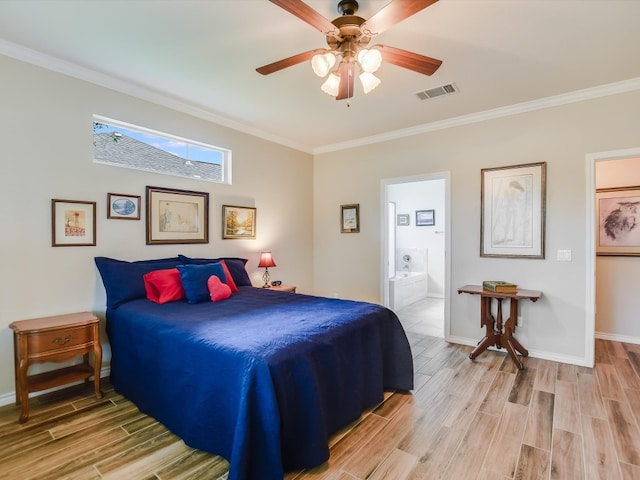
(554, 327)
(617, 278)
(46, 131)
(423, 195)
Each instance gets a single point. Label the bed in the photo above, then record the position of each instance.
(262, 378)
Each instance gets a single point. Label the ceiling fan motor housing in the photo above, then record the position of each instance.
(347, 7)
(351, 39)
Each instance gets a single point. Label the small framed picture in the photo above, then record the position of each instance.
(350, 218)
(177, 216)
(123, 207)
(73, 223)
(238, 222)
(425, 218)
(402, 219)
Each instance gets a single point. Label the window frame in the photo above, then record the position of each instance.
(226, 154)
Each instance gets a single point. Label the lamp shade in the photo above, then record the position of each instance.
(322, 63)
(266, 260)
(369, 81)
(370, 60)
(331, 85)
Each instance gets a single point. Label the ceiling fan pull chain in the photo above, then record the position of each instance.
(349, 92)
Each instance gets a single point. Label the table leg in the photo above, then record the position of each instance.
(487, 321)
(510, 348)
(97, 361)
(485, 343)
(24, 390)
(516, 344)
(510, 343)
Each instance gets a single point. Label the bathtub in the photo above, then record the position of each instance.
(406, 288)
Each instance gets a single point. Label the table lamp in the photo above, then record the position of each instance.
(266, 261)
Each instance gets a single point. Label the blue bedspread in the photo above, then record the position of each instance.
(263, 378)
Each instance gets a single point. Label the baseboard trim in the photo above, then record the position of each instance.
(617, 338)
(10, 397)
(554, 357)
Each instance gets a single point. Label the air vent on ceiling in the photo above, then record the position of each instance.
(447, 89)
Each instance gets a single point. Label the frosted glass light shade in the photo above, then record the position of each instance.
(369, 81)
(323, 63)
(331, 85)
(370, 60)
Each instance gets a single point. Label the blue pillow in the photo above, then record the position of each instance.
(235, 265)
(194, 280)
(123, 280)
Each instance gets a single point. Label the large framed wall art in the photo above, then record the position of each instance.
(618, 232)
(512, 221)
(177, 216)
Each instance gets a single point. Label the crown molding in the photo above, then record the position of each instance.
(547, 102)
(128, 87)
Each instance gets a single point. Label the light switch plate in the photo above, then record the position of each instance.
(564, 255)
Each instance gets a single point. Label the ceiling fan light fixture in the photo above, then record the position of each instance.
(369, 81)
(331, 85)
(322, 63)
(370, 60)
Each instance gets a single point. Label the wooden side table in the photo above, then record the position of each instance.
(284, 288)
(499, 333)
(55, 339)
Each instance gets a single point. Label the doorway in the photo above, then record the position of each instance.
(591, 293)
(415, 278)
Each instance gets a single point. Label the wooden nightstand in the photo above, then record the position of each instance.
(284, 288)
(55, 339)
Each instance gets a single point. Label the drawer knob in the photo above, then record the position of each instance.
(62, 341)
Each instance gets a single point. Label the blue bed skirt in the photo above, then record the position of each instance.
(263, 378)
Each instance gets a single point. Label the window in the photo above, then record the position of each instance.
(129, 146)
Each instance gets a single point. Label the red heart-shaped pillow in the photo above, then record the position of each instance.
(217, 289)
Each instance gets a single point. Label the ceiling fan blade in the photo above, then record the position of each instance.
(393, 13)
(289, 62)
(347, 70)
(307, 14)
(412, 61)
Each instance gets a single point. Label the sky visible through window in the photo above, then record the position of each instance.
(185, 150)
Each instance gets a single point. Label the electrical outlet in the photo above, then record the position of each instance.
(520, 320)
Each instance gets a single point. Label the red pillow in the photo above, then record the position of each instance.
(230, 282)
(163, 286)
(217, 289)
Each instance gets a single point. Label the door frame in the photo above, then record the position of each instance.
(590, 250)
(384, 267)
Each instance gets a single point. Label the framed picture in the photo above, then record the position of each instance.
(123, 207)
(73, 223)
(238, 222)
(425, 218)
(177, 216)
(617, 212)
(350, 218)
(513, 211)
(403, 219)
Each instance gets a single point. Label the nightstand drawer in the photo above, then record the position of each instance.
(64, 339)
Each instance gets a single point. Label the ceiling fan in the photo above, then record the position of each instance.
(348, 37)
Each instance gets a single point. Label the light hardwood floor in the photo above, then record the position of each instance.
(465, 420)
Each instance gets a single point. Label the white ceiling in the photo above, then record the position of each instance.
(201, 56)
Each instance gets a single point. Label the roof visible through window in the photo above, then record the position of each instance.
(123, 145)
